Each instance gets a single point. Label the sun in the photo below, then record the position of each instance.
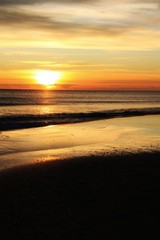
(46, 77)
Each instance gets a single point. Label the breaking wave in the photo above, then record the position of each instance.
(30, 121)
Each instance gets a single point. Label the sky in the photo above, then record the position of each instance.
(90, 44)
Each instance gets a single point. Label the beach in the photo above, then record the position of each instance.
(79, 120)
(57, 142)
(114, 197)
(95, 180)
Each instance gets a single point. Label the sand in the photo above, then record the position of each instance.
(111, 197)
(97, 180)
(103, 137)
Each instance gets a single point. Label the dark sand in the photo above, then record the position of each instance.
(112, 197)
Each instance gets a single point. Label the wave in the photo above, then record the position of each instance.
(61, 102)
(30, 121)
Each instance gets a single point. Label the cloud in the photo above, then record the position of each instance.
(24, 19)
(10, 16)
(96, 21)
(28, 2)
(28, 20)
(146, 1)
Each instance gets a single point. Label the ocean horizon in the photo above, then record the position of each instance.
(35, 108)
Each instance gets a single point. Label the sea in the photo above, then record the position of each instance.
(35, 108)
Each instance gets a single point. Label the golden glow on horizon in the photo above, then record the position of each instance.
(98, 45)
(46, 77)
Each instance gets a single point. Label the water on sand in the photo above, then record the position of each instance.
(114, 136)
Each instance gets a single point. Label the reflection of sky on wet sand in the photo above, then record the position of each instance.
(61, 141)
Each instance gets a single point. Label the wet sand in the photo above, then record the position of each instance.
(98, 197)
(97, 180)
(103, 137)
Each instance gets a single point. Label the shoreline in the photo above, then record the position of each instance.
(60, 183)
(95, 197)
(116, 136)
(22, 122)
